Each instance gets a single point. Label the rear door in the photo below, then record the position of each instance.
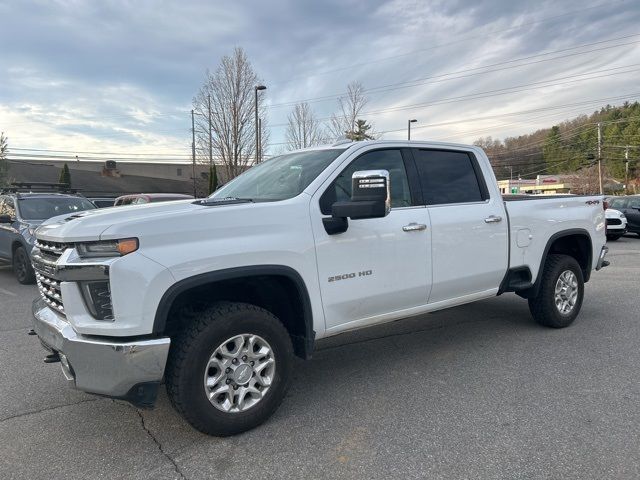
(469, 234)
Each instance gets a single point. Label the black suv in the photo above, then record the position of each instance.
(630, 206)
(20, 214)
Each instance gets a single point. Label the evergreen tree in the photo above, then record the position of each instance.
(359, 132)
(65, 175)
(213, 179)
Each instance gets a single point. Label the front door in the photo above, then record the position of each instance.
(379, 267)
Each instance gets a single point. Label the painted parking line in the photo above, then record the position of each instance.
(7, 292)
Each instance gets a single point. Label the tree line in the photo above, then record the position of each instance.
(571, 147)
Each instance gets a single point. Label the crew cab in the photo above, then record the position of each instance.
(215, 296)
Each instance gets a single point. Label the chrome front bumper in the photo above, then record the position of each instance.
(127, 369)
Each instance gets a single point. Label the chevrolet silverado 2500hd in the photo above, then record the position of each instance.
(215, 296)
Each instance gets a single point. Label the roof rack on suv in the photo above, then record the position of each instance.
(39, 187)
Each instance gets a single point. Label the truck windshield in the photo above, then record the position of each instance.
(44, 208)
(279, 178)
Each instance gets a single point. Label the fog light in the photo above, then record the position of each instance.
(97, 296)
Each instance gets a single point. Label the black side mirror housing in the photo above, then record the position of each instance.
(370, 198)
(5, 219)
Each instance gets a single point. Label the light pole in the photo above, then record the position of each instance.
(256, 88)
(409, 122)
(193, 152)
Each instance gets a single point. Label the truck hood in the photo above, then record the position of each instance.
(90, 224)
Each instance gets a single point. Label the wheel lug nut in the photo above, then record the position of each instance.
(244, 358)
(228, 381)
(252, 363)
(235, 360)
(235, 387)
(227, 370)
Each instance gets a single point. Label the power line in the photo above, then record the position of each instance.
(461, 40)
(412, 83)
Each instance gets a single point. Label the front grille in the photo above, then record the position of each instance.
(614, 221)
(51, 250)
(49, 289)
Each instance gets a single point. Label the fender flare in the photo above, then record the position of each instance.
(305, 345)
(534, 289)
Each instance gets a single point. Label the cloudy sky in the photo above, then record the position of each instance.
(119, 76)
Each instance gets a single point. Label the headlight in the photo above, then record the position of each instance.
(109, 248)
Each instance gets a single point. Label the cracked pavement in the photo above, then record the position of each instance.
(478, 391)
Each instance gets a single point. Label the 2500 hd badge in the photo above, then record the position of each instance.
(347, 276)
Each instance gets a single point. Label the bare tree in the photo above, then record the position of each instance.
(349, 109)
(303, 130)
(231, 91)
(4, 168)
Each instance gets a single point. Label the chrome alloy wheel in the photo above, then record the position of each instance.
(239, 373)
(566, 292)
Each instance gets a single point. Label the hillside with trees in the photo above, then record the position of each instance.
(572, 146)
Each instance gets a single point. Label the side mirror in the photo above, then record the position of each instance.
(370, 196)
(5, 219)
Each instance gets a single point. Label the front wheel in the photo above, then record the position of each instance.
(561, 292)
(230, 369)
(22, 267)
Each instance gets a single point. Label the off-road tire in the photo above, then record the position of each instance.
(543, 307)
(190, 352)
(22, 267)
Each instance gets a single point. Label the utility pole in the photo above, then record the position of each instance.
(193, 151)
(210, 135)
(626, 169)
(600, 156)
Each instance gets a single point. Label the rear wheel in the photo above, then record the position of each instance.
(22, 267)
(561, 292)
(229, 370)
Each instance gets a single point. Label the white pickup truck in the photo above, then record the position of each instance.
(215, 296)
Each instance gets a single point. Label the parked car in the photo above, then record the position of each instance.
(616, 224)
(103, 202)
(630, 206)
(20, 214)
(139, 198)
(215, 296)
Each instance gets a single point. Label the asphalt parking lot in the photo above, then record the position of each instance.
(478, 391)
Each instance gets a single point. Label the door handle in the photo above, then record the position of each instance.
(493, 219)
(412, 227)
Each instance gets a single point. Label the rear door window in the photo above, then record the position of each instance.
(449, 177)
